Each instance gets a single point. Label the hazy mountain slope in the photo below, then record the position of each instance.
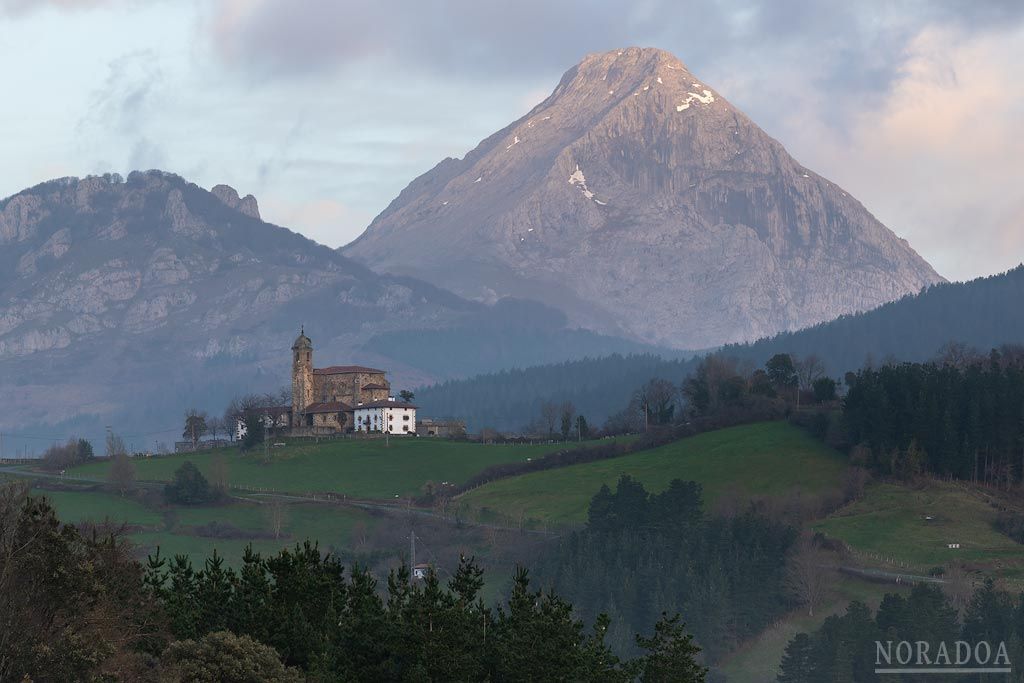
(984, 314)
(640, 201)
(127, 302)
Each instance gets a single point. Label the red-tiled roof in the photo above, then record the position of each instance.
(384, 404)
(328, 407)
(346, 370)
(375, 386)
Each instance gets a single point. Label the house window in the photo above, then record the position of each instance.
(406, 417)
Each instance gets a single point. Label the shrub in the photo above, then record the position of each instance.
(190, 487)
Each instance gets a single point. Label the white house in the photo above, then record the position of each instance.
(390, 416)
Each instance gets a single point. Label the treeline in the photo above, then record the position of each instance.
(983, 313)
(851, 646)
(642, 553)
(78, 607)
(513, 399)
(959, 417)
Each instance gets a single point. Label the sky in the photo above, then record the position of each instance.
(326, 109)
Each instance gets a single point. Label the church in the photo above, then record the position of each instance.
(341, 398)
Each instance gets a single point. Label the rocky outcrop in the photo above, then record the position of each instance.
(639, 201)
(246, 205)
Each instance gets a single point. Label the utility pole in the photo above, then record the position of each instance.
(412, 550)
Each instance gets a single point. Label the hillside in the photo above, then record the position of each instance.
(984, 313)
(771, 458)
(357, 468)
(638, 200)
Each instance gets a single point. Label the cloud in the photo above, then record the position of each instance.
(938, 158)
(124, 105)
(23, 7)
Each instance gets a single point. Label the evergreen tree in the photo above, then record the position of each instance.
(798, 661)
(672, 656)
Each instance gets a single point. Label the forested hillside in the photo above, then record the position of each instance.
(508, 400)
(643, 553)
(984, 314)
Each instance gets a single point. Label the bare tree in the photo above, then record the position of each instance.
(808, 575)
(808, 370)
(215, 426)
(277, 516)
(549, 414)
(121, 475)
(219, 474)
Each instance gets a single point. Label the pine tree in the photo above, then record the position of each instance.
(798, 661)
(672, 655)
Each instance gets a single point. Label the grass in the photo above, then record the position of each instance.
(761, 459)
(361, 468)
(758, 660)
(98, 506)
(173, 528)
(890, 521)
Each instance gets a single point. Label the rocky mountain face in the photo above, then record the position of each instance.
(641, 202)
(140, 297)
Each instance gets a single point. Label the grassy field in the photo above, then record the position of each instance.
(362, 468)
(765, 458)
(891, 521)
(173, 528)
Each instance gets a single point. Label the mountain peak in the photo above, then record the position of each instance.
(639, 201)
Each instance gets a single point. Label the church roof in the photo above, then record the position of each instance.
(375, 386)
(328, 407)
(346, 370)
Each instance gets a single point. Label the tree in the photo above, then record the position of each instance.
(672, 655)
(809, 370)
(189, 487)
(568, 411)
(121, 475)
(219, 475)
(72, 453)
(223, 657)
(582, 428)
(798, 661)
(824, 389)
(549, 416)
(277, 516)
(406, 395)
(195, 427)
(657, 401)
(215, 426)
(781, 371)
(807, 577)
(255, 427)
(72, 607)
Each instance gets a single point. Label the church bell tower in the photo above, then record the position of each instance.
(302, 377)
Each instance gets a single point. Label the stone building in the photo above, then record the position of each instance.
(323, 399)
